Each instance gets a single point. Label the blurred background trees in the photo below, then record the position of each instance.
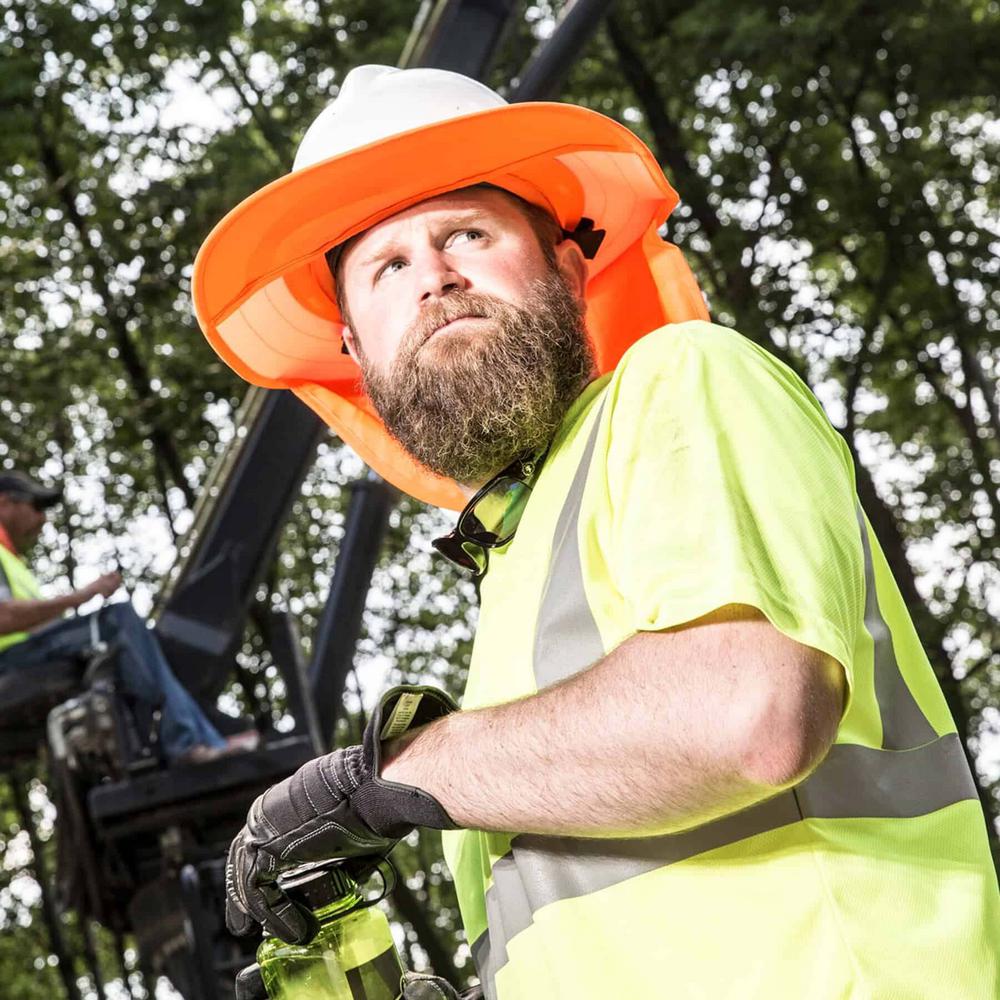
(837, 164)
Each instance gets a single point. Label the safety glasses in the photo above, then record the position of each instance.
(491, 517)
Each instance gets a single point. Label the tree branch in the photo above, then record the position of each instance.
(412, 911)
(239, 79)
(668, 140)
(115, 313)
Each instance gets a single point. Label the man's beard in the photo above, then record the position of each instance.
(467, 408)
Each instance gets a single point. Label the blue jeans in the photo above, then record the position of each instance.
(143, 671)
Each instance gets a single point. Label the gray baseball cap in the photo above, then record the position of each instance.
(24, 487)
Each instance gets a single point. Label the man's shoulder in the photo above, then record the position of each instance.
(688, 378)
(700, 357)
(682, 360)
(695, 341)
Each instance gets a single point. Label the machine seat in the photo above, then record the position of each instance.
(26, 696)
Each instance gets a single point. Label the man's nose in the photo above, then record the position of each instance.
(438, 277)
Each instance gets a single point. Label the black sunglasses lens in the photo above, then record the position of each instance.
(495, 516)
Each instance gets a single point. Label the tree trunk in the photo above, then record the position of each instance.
(115, 318)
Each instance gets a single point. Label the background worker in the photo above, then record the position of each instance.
(701, 752)
(33, 630)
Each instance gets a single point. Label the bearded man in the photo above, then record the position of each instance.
(701, 752)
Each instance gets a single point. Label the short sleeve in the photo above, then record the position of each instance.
(727, 484)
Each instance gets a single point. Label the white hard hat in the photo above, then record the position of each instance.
(376, 102)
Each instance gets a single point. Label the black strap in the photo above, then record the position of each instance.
(586, 237)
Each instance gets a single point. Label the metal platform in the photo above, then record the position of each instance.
(158, 799)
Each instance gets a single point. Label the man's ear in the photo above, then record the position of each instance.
(573, 266)
(350, 344)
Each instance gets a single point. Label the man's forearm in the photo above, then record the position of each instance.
(23, 616)
(666, 732)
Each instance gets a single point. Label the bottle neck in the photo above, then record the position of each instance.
(337, 907)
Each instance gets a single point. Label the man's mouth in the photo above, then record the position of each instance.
(452, 325)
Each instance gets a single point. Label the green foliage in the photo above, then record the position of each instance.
(837, 165)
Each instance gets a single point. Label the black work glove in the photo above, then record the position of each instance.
(336, 806)
(419, 986)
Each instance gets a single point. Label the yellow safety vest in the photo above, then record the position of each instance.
(23, 586)
(702, 472)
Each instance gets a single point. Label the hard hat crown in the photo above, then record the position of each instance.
(377, 102)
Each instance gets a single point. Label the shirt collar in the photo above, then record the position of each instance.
(6, 542)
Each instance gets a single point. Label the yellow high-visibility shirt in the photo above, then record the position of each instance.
(702, 472)
(16, 583)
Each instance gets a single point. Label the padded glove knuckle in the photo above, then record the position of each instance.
(347, 770)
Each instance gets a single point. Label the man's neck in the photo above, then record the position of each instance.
(7, 542)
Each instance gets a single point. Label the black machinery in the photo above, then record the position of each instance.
(143, 847)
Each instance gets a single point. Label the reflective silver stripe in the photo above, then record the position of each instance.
(857, 781)
(508, 911)
(567, 638)
(853, 782)
(903, 724)
(481, 955)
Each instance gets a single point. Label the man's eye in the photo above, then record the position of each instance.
(466, 236)
(391, 268)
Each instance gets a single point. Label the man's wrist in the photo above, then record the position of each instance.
(407, 767)
(397, 759)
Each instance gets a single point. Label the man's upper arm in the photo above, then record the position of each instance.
(728, 486)
(782, 701)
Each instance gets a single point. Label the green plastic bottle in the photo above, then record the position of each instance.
(353, 957)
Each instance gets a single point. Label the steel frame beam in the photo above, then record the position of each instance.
(542, 77)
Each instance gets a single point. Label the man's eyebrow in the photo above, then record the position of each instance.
(461, 217)
(380, 254)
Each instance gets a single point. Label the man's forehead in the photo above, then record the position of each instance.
(473, 199)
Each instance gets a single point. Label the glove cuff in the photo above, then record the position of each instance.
(389, 808)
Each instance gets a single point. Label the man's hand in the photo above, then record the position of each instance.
(335, 806)
(104, 586)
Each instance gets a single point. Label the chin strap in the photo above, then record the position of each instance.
(586, 237)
